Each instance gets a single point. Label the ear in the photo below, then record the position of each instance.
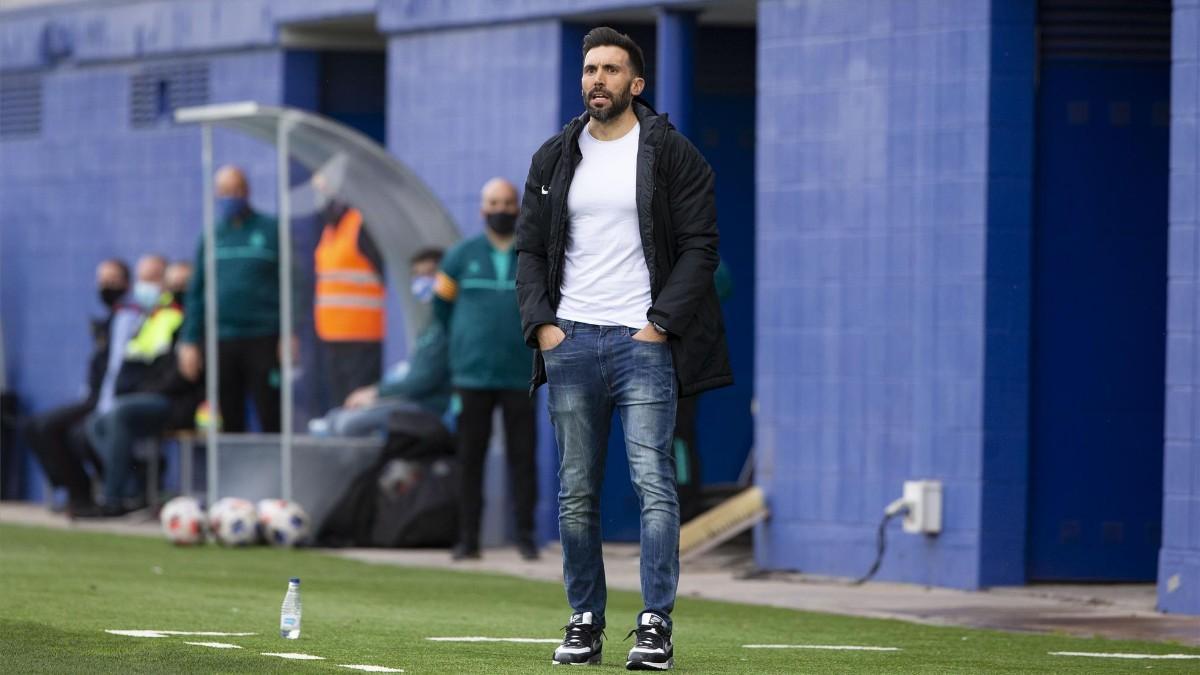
(637, 86)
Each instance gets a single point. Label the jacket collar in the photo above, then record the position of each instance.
(652, 124)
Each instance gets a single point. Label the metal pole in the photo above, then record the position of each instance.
(210, 312)
(285, 312)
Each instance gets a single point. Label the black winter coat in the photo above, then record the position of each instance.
(678, 219)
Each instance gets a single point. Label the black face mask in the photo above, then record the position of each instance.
(333, 211)
(502, 223)
(110, 296)
(177, 297)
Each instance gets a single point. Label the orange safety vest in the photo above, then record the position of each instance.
(350, 292)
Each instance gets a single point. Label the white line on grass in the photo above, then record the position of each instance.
(495, 639)
(373, 669)
(214, 645)
(1117, 655)
(295, 656)
(165, 633)
(843, 648)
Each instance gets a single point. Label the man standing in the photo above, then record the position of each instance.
(475, 297)
(348, 306)
(618, 245)
(247, 252)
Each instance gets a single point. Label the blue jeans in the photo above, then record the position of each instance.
(595, 369)
(132, 417)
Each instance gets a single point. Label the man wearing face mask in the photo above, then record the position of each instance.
(348, 304)
(477, 300)
(424, 384)
(247, 253)
(56, 436)
(152, 394)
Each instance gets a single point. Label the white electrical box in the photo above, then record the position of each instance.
(924, 501)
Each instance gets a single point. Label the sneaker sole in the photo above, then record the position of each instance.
(594, 661)
(650, 665)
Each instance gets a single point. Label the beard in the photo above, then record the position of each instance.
(618, 103)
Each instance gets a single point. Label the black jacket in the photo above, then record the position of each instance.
(678, 218)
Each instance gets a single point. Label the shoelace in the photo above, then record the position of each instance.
(579, 635)
(648, 637)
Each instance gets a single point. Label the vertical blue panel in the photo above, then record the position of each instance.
(1179, 559)
(1100, 299)
(676, 66)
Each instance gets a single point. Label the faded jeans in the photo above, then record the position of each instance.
(593, 371)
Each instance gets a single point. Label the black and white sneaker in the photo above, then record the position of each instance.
(654, 650)
(582, 644)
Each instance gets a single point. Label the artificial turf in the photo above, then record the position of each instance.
(60, 591)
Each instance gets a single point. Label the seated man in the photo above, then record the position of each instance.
(424, 386)
(55, 435)
(154, 395)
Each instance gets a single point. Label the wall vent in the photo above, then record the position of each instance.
(158, 90)
(1105, 30)
(20, 106)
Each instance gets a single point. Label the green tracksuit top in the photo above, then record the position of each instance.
(247, 281)
(428, 380)
(476, 298)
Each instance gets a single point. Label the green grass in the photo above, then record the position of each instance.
(60, 590)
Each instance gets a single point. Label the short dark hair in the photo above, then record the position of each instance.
(120, 265)
(603, 36)
(433, 255)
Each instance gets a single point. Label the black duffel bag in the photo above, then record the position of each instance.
(408, 497)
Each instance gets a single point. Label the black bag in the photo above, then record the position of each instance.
(408, 497)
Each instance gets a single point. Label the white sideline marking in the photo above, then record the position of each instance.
(373, 669)
(295, 656)
(1115, 655)
(214, 645)
(494, 639)
(165, 633)
(138, 633)
(842, 648)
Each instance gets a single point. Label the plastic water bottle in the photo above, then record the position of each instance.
(289, 615)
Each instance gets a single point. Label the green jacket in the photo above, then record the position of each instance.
(247, 281)
(476, 298)
(428, 380)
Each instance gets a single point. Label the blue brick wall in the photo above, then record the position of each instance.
(1179, 561)
(893, 161)
(468, 104)
(89, 187)
(465, 105)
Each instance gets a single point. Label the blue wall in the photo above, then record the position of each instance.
(894, 149)
(894, 156)
(468, 104)
(1179, 562)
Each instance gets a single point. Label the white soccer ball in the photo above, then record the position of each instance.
(232, 521)
(266, 510)
(183, 521)
(286, 524)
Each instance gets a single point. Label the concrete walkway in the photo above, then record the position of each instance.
(1112, 611)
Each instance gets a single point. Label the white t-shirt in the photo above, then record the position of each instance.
(605, 278)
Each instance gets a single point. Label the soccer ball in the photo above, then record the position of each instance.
(266, 510)
(183, 521)
(285, 524)
(231, 520)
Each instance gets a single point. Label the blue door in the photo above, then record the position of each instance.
(1099, 298)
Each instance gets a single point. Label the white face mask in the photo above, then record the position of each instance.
(146, 294)
(422, 288)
